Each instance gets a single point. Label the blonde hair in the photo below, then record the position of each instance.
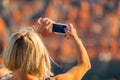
(26, 52)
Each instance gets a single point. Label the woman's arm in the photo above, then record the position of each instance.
(78, 71)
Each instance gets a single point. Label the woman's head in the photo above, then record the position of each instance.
(26, 52)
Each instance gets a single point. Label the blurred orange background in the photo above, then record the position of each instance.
(97, 23)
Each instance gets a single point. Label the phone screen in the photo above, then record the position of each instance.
(59, 28)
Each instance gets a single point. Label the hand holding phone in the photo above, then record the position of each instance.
(60, 28)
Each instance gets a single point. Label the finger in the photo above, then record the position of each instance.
(36, 25)
(47, 22)
(65, 35)
(40, 20)
(68, 31)
(71, 26)
(53, 34)
(65, 30)
(51, 21)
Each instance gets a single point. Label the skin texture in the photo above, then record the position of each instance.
(78, 71)
(3, 71)
(42, 27)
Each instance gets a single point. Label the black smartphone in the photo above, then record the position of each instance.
(59, 28)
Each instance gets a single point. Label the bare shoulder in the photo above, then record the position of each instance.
(3, 71)
(65, 76)
(75, 73)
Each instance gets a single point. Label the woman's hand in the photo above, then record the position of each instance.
(78, 71)
(43, 26)
(71, 33)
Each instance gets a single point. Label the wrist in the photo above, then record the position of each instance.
(76, 37)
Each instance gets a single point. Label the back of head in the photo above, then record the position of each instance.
(26, 52)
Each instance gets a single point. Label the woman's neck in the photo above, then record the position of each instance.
(19, 75)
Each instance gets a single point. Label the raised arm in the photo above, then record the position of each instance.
(78, 71)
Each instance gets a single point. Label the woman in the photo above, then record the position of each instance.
(28, 59)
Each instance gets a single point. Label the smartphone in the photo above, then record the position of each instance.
(59, 28)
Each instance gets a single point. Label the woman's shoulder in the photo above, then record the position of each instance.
(6, 77)
(3, 71)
